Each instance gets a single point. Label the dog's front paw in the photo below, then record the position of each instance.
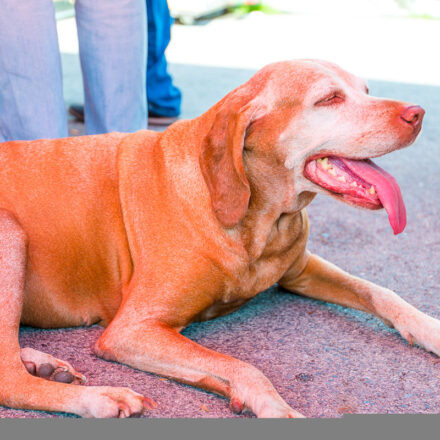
(267, 407)
(113, 402)
(279, 410)
(421, 329)
(252, 390)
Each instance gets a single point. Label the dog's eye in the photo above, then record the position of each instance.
(334, 98)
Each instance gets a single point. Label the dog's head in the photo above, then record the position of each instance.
(305, 126)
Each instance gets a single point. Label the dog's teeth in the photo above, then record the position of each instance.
(372, 190)
(324, 163)
(332, 172)
(353, 184)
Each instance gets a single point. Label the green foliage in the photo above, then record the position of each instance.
(243, 9)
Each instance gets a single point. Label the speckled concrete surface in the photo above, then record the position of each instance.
(323, 359)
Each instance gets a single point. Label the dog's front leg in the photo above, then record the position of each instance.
(324, 281)
(154, 346)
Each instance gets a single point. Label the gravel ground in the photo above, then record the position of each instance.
(323, 359)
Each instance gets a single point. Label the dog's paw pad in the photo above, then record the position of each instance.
(45, 370)
(48, 367)
(64, 377)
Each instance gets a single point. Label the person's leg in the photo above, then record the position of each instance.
(31, 95)
(163, 97)
(112, 42)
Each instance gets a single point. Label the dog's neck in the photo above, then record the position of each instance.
(268, 217)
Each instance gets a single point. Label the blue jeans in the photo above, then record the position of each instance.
(112, 40)
(163, 97)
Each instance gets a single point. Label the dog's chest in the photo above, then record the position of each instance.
(258, 277)
(283, 251)
(262, 274)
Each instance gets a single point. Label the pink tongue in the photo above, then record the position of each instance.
(386, 187)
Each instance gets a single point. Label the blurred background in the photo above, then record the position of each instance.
(218, 44)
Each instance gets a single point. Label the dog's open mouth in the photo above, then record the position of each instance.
(362, 183)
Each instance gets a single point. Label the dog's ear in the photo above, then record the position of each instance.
(221, 161)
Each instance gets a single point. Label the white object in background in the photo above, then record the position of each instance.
(187, 11)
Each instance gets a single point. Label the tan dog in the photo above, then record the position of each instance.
(145, 233)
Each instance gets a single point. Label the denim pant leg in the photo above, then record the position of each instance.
(112, 43)
(163, 97)
(31, 93)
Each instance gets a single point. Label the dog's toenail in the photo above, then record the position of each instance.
(45, 370)
(82, 379)
(149, 403)
(236, 406)
(64, 377)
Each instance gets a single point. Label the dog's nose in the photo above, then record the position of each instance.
(413, 115)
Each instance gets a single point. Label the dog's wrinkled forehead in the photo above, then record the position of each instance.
(306, 79)
(333, 72)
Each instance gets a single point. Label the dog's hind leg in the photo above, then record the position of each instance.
(325, 281)
(18, 388)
